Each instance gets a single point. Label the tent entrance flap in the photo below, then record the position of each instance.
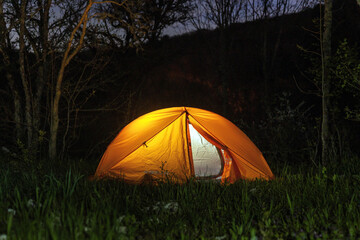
(206, 157)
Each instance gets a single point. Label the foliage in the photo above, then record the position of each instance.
(65, 205)
(346, 68)
(289, 133)
(344, 81)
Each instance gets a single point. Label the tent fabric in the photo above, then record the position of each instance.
(180, 143)
(135, 134)
(153, 156)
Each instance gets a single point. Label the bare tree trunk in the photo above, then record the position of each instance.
(326, 138)
(68, 55)
(28, 115)
(224, 70)
(54, 122)
(4, 47)
(246, 10)
(265, 63)
(17, 104)
(42, 70)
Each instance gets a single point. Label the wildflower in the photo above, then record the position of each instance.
(120, 219)
(30, 203)
(171, 206)
(121, 229)
(154, 220)
(11, 211)
(119, 225)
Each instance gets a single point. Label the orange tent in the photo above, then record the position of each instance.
(180, 143)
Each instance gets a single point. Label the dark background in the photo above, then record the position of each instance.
(271, 91)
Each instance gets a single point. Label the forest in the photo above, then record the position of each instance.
(74, 73)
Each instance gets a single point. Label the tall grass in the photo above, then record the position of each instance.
(68, 206)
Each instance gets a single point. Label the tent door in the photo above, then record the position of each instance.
(207, 158)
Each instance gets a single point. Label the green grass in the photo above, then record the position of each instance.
(68, 206)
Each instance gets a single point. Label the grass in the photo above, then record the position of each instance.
(57, 205)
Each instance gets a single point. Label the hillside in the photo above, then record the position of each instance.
(261, 56)
(262, 59)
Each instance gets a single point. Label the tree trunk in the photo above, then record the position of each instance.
(4, 49)
(17, 105)
(28, 111)
(264, 64)
(327, 156)
(54, 124)
(42, 70)
(68, 55)
(54, 121)
(224, 71)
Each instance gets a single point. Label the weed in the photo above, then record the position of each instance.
(68, 206)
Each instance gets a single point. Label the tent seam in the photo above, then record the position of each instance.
(188, 144)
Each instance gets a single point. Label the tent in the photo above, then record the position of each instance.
(180, 143)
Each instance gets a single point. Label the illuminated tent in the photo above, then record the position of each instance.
(180, 143)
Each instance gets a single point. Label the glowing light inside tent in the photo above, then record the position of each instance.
(206, 157)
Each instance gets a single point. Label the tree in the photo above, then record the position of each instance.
(264, 10)
(123, 26)
(335, 79)
(15, 17)
(43, 45)
(153, 16)
(69, 54)
(327, 140)
(6, 52)
(220, 14)
(223, 13)
(160, 14)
